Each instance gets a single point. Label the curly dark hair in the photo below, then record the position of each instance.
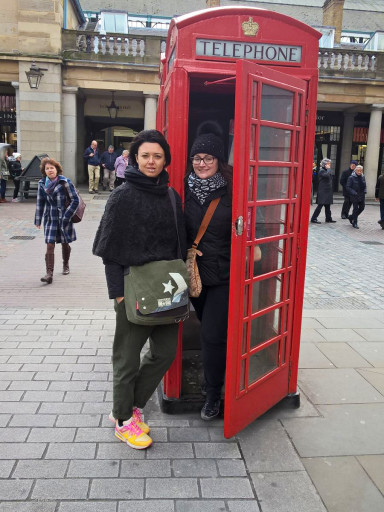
(48, 160)
(149, 136)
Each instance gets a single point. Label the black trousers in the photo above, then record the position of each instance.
(346, 206)
(119, 181)
(328, 214)
(358, 207)
(212, 311)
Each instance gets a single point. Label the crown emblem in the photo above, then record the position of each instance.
(250, 27)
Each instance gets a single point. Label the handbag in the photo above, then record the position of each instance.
(195, 285)
(156, 293)
(78, 215)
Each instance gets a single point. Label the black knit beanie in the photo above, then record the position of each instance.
(210, 144)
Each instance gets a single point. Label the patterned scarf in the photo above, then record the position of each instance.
(50, 184)
(203, 188)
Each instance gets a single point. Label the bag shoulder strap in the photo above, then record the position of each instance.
(206, 220)
(172, 197)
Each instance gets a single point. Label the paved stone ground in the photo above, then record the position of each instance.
(57, 448)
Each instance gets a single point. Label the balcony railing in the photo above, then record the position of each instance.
(128, 48)
(84, 45)
(350, 63)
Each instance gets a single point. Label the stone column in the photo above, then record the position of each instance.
(373, 149)
(346, 143)
(69, 133)
(15, 85)
(150, 111)
(40, 128)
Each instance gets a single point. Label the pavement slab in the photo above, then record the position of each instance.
(337, 386)
(374, 467)
(344, 484)
(311, 356)
(342, 355)
(375, 376)
(58, 452)
(287, 492)
(351, 429)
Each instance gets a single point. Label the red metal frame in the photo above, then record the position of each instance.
(182, 69)
(244, 402)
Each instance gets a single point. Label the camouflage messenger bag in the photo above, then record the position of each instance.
(157, 293)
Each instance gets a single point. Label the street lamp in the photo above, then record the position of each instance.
(34, 75)
(113, 109)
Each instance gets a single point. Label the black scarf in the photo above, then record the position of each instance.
(138, 224)
(140, 181)
(203, 188)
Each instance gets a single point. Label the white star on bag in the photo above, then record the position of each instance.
(168, 287)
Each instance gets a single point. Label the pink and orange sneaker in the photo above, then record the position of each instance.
(138, 418)
(131, 434)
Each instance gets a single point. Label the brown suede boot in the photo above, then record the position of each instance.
(49, 263)
(66, 251)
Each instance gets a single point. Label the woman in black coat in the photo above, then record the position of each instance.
(138, 227)
(211, 178)
(356, 188)
(324, 192)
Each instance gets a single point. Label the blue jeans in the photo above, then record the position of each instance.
(3, 186)
(382, 209)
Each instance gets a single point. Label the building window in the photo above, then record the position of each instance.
(114, 23)
(328, 133)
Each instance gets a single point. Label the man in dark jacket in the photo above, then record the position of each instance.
(92, 156)
(356, 188)
(108, 159)
(343, 182)
(379, 196)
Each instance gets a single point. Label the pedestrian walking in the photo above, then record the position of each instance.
(357, 188)
(343, 182)
(57, 202)
(4, 174)
(121, 165)
(138, 227)
(379, 196)
(92, 156)
(211, 178)
(324, 192)
(107, 161)
(15, 169)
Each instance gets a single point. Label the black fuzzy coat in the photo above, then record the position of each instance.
(214, 264)
(138, 226)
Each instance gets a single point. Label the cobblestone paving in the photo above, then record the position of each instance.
(57, 448)
(343, 272)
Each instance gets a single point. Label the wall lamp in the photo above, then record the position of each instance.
(34, 75)
(113, 109)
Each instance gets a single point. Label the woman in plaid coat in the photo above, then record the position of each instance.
(57, 202)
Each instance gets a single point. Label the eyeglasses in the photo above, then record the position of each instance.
(208, 160)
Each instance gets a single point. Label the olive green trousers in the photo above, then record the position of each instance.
(135, 381)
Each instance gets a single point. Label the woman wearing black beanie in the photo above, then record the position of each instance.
(211, 178)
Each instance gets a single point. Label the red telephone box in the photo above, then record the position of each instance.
(254, 72)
